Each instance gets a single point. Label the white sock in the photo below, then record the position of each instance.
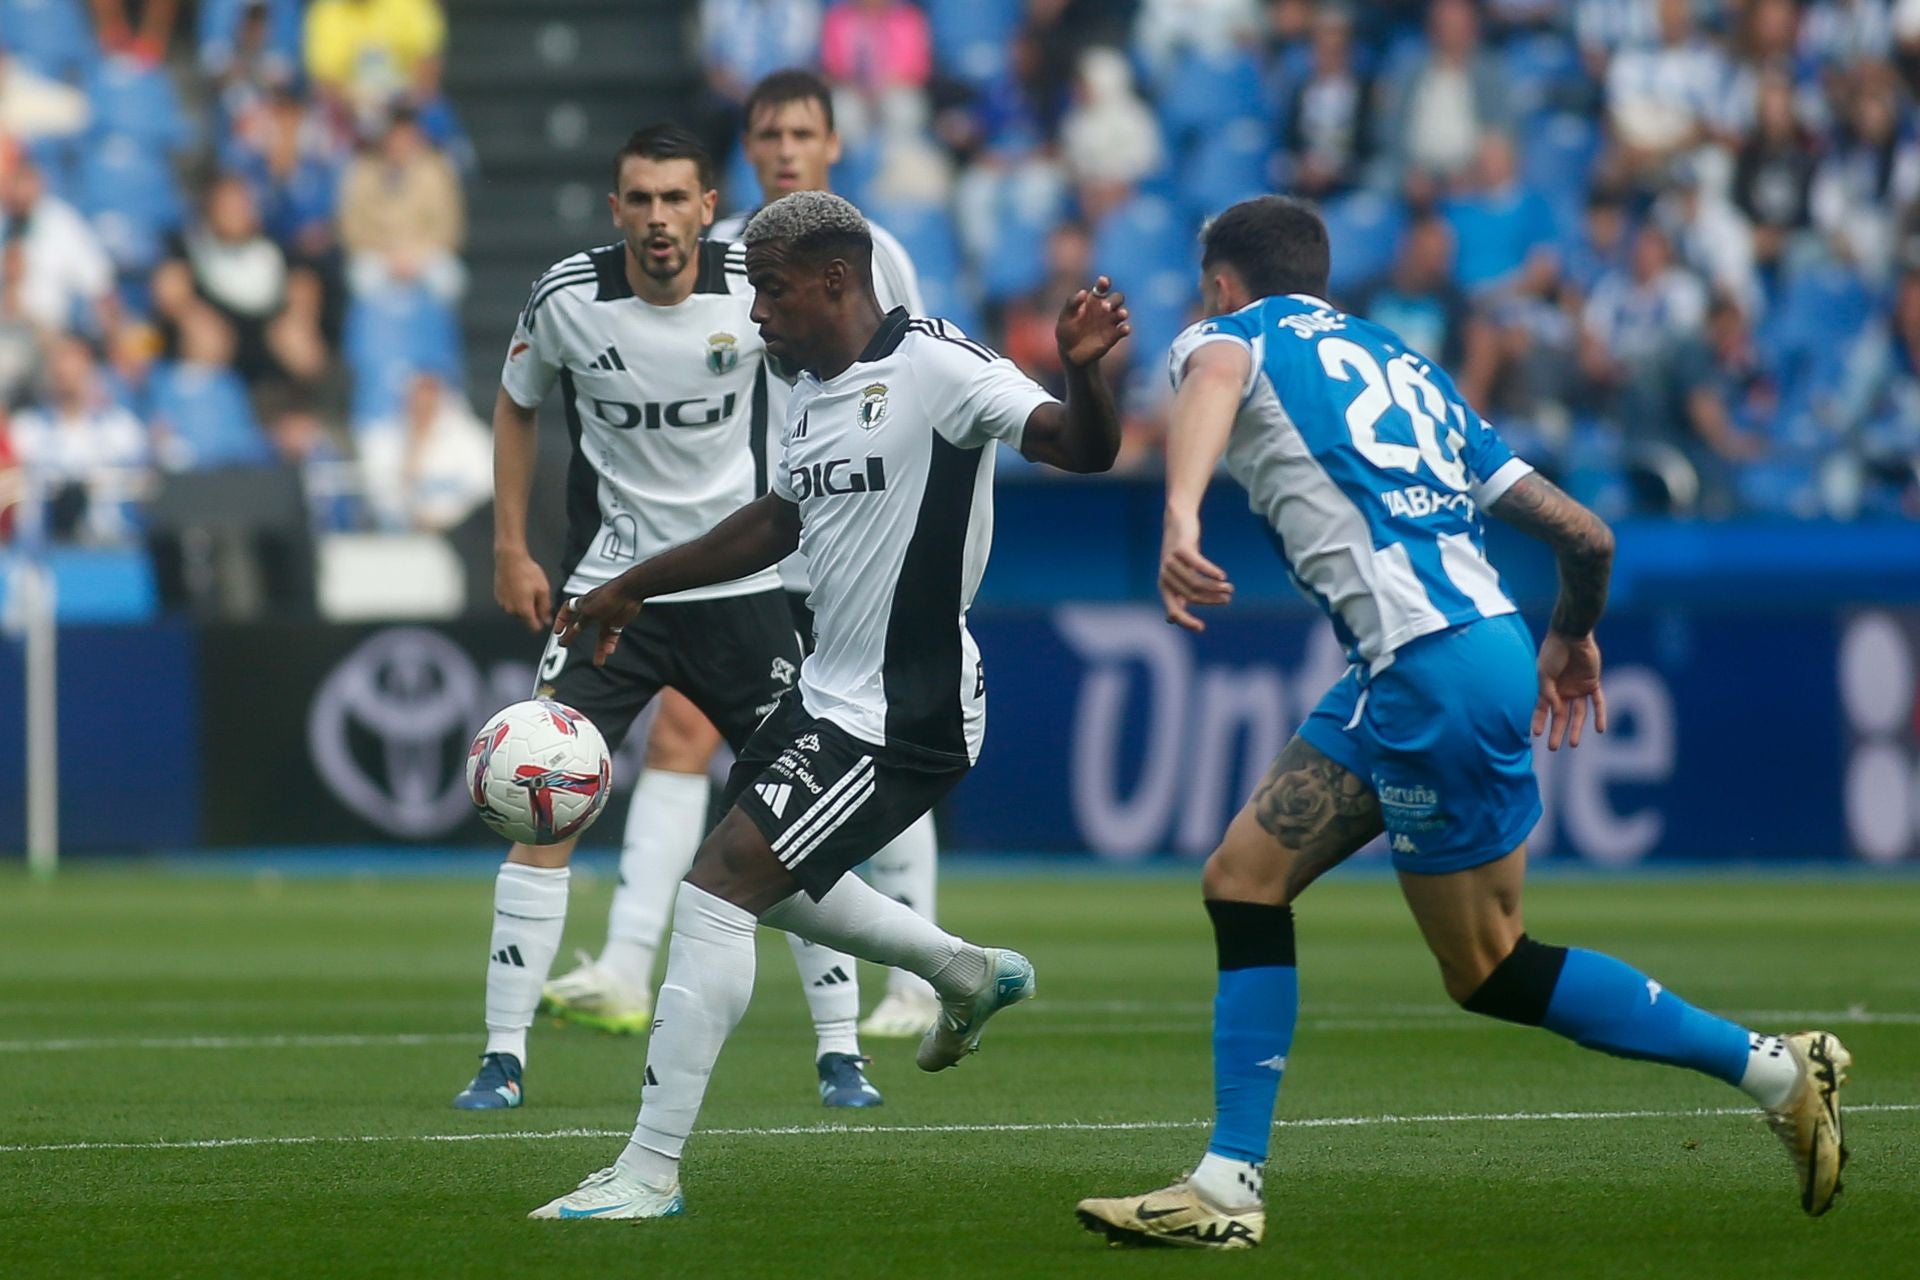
(832, 984)
(1228, 1183)
(1771, 1072)
(529, 912)
(709, 981)
(664, 825)
(907, 870)
(856, 917)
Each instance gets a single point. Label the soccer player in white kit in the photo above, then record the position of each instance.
(887, 485)
(791, 142)
(663, 377)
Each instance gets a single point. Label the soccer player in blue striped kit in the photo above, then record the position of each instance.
(1372, 474)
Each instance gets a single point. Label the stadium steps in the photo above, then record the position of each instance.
(547, 93)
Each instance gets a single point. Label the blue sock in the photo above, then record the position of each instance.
(1603, 1004)
(1600, 1003)
(1253, 1016)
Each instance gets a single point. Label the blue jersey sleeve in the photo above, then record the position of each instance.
(1492, 467)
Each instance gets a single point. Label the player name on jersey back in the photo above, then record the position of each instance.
(666, 408)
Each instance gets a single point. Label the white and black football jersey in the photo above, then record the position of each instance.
(895, 282)
(667, 408)
(891, 465)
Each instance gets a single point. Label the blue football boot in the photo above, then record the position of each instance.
(496, 1088)
(844, 1084)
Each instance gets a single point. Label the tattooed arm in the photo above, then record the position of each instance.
(1569, 658)
(1581, 542)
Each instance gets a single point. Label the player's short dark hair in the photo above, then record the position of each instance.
(792, 84)
(1276, 244)
(666, 141)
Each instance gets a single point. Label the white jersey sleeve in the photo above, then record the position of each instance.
(534, 356)
(975, 395)
(1207, 332)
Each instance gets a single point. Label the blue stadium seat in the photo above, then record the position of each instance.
(1556, 159)
(391, 335)
(1201, 93)
(1819, 312)
(1146, 231)
(1025, 214)
(51, 36)
(1226, 165)
(1147, 246)
(127, 189)
(207, 418)
(970, 37)
(928, 235)
(137, 100)
(219, 28)
(1363, 230)
(1538, 66)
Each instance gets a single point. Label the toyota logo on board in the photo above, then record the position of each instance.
(388, 729)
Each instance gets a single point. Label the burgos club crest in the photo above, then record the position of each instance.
(723, 352)
(873, 406)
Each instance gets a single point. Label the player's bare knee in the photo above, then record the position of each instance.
(1231, 874)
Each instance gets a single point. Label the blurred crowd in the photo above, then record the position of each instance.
(1670, 247)
(230, 242)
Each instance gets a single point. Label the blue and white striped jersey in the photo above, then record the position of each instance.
(1368, 467)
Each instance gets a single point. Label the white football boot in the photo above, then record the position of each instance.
(956, 1032)
(1808, 1122)
(611, 1195)
(596, 997)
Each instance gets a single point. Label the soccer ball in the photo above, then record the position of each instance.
(539, 773)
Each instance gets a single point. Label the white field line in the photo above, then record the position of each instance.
(1406, 1018)
(841, 1130)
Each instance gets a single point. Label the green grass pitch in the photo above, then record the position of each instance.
(213, 1075)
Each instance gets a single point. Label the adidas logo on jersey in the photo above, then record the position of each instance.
(609, 360)
(832, 977)
(509, 955)
(775, 796)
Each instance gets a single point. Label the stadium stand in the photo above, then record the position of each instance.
(1672, 249)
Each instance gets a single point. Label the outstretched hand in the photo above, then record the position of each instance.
(1569, 681)
(603, 608)
(1092, 323)
(1188, 578)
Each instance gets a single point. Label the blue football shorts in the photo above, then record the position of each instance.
(1443, 736)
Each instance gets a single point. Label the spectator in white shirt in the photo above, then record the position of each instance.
(744, 41)
(1662, 100)
(1437, 114)
(1864, 182)
(430, 466)
(87, 458)
(1109, 139)
(68, 280)
(33, 106)
(1166, 28)
(1638, 315)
